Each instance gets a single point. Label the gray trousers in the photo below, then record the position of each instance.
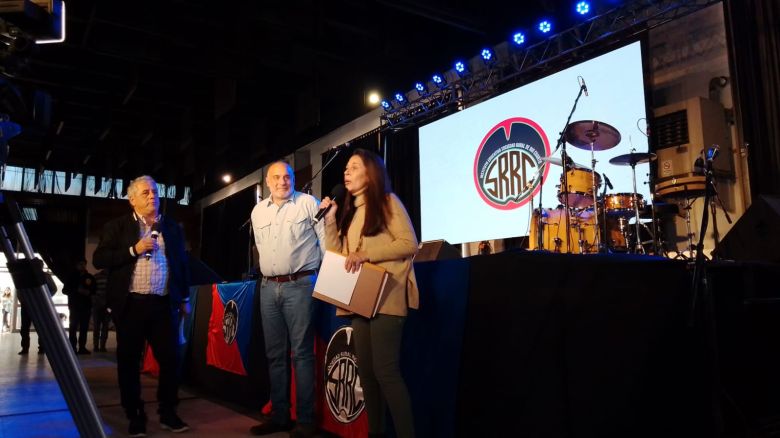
(378, 347)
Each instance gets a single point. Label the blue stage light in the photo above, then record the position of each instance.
(437, 80)
(583, 8)
(545, 26)
(400, 98)
(487, 54)
(420, 87)
(385, 104)
(518, 38)
(460, 67)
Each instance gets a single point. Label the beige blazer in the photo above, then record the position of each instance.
(393, 249)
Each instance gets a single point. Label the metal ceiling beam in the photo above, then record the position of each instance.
(614, 26)
(439, 15)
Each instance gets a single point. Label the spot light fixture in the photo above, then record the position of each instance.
(487, 55)
(460, 68)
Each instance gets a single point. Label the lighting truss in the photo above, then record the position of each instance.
(520, 63)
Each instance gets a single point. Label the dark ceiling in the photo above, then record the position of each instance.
(186, 90)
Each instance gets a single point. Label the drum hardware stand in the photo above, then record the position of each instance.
(34, 293)
(654, 223)
(625, 227)
(539, 222)
(599, 240)
(564, 159)
(603, 213)
(638, 248)
(632, 159)
(689, 233)
(594, 135)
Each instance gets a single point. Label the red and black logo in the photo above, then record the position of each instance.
(342, 383)
(230, 322)
(508, 164)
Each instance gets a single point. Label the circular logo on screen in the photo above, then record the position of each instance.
(230, 322)
(342, 384)
(508, 167)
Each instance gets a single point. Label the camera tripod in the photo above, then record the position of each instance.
(34, 294)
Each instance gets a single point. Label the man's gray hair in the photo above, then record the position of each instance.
(286, 163)
(132, 187)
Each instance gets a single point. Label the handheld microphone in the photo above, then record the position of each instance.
(584, 87)
(607, 181)
(713, 152)
(337, 193)
(153, 235)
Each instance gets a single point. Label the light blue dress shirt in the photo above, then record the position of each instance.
(287, 239)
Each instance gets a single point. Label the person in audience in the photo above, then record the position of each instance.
(79, 287)
(100, 312)
(8, 304)
(372, 225)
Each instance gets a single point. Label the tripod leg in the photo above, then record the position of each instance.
(34, 293)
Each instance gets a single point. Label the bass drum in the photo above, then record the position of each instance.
(620, 234)
(582, 231)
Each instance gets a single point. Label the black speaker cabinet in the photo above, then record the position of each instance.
(436, 250)
(756, 235)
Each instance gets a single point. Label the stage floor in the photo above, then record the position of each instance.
(32, 405)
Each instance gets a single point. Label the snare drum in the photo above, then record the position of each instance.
(622, 204)
(580, 190)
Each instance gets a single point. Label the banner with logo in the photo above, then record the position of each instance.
(341, 395)
(230, 326)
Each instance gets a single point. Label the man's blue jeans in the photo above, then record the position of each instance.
(286, 309)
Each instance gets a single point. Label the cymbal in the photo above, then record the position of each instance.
(633, 158)
(558, 162)
(583, 133)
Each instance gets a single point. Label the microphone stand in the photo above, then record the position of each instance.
(713, 205)
(699, 274)
(707, 312)
(307, 187)
(565, 182)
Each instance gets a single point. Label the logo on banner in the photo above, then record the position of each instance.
(342, 384)
(230, 322)
(508, 167)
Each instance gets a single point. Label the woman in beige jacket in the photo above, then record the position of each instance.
(373, 226)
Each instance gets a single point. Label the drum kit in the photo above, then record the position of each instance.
(594, 223)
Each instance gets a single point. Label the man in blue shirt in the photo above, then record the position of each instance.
(287, 240)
